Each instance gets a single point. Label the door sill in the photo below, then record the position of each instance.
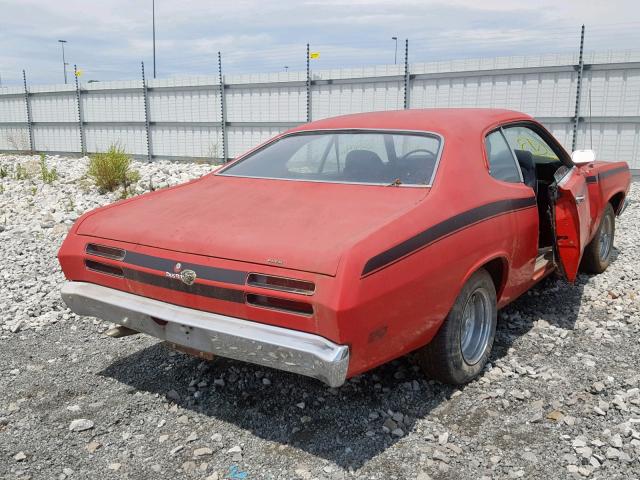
(544, 262)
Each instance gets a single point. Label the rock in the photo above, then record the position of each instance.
(173, 395)
(390, 425)
(612, 453)
(192, 438)
(213, 476)
(176, 449)
(20, 457)
(397, 432)
(615, 441)
(555, 415)
(91, 447)
(438, 455)
(200, 452)
(599, 411)
(114, 466)
(235, 449)
(80, 425)
(443, 438)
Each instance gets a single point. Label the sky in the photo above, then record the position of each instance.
(108, 39)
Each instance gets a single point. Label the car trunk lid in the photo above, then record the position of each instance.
(297, 225)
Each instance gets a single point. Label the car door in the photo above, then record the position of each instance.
(571, 218)
(569, 195)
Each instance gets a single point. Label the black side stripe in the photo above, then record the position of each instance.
(200, 289)
(444, 228)
(592, 179)
(613, 171)
(215, 274)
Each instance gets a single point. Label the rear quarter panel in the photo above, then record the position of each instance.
(607, 182)
(400, 307)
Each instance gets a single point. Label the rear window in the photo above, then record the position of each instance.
(345, 157)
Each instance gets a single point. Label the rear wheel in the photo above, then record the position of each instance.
(597, 255)
(459, 351)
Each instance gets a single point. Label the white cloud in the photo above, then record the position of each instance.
(109, 38)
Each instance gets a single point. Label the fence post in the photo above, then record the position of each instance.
(576, 117)
(308, 86)
(146, 114)
(223, 111)
(407, 78)
(28, 107)
(83, 143)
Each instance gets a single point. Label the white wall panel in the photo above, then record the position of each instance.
(13, 109)
(14, 138)
(279, 104)
(56, 138)
(187, 142)
(184, 105)
(54, 108)
(113, 106)
(132, 139)
(115, 112)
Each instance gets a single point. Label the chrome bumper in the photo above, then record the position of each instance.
(253, 342)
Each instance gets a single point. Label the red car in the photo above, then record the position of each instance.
(344, 243)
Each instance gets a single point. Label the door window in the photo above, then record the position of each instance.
(523, 138)
(502, 164)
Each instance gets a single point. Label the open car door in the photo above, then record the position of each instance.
(570, 218)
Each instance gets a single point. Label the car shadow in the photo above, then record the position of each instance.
(343, 425)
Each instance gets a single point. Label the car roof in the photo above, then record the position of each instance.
(439, 120)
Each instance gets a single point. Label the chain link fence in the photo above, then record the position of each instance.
(587, 100)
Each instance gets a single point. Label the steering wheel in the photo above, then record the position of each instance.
(417, 150)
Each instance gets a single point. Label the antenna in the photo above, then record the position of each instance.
(590, 123)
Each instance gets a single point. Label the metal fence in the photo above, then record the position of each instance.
(590, 100)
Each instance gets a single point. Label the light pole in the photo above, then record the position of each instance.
(395, 55)
(286, 68)
(153, 21)
(64, 63)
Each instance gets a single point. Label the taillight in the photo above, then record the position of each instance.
(104, 251)
(282, 284)
(282, 304)
(104, 268)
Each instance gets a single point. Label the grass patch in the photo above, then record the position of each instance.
(20, 172)
(49, 175)
(112, 169)
(4, 172)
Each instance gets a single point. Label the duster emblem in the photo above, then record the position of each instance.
(177, 268)
(188, 277)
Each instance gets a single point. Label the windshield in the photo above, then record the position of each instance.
(345, 157)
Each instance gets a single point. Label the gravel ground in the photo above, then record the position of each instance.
(560, 398)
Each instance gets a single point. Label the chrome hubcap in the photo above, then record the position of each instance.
(606, 234)
(476, 326)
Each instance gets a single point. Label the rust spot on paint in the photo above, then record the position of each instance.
(378, 334)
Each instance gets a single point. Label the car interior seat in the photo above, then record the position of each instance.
(528, 167)
(363, 166)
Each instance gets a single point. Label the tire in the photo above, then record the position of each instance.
(445, 358)
(597, 255)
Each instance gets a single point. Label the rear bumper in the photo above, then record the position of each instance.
(274, 347)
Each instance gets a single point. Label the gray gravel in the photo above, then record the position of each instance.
(560, 398)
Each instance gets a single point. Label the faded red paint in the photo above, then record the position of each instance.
(326, 233)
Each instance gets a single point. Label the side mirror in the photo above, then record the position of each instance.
(580, 157)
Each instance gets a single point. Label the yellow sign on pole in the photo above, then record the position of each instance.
(78, 73)
(314, 55)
